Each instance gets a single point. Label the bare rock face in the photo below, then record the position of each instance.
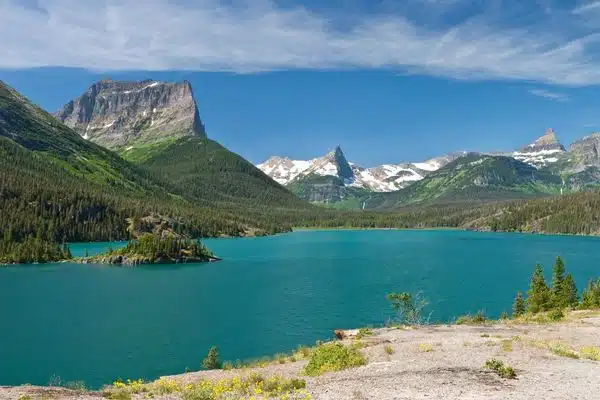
(586, 151)
(120, 115)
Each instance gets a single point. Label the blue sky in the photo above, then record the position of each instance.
(389, 81)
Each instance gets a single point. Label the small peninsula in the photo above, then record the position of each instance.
(155, 249)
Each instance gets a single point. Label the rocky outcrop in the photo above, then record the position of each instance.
(119, 115)
(586, 151)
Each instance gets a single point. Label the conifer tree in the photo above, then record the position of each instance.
(538, 295)
(558, 278)
(519, 305)
(568, 294)
(590, 297)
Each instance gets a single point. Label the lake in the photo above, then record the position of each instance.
(96, 323)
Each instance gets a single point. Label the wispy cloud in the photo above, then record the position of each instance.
(547, 94)
(249, 36)
(592, 6)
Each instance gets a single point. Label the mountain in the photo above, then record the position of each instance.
(543, 151)
(473, 178)
(123, 115)
(382, 178)
(157, 127)
(585, 152)
(59, 185)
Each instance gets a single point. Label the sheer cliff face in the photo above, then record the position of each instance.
(120, 115)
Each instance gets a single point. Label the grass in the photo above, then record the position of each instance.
(425, 347)
(364, 332)
(590, 352)
(504, 371)
(389, 350)
(506, 345)
(253, 386)
(469, 319)
(562, 350)
(333, 357)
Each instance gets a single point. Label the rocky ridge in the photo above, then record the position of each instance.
(120, 115)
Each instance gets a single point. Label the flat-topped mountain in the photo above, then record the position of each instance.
(119, 115)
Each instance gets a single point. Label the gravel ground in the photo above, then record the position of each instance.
(439, 362)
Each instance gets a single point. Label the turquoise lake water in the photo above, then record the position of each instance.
(96, 323)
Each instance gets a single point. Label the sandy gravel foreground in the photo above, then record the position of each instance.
(439, 362)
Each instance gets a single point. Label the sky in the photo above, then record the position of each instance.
(388, 80)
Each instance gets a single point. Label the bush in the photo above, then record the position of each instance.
(469, 319)
(504, 371)
(363, 332)
(409, 308)
(212, 359)
(333, 357)
(556, 314)
(389, 349)
(590, 352)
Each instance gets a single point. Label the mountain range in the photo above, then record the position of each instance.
(131, 157)
(541, 168)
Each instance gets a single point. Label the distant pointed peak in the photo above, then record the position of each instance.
(547, 142)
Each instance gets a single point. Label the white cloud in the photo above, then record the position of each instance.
(209, 35)
(547, 94)
(587, 7)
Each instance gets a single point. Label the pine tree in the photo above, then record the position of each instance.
(590, 298)
(212, 359)
(519, 305)
(539, 295)
(568, 292)
(558, 279)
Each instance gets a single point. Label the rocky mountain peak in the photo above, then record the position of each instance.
(548, 141)
(124, 114)
(586, 152)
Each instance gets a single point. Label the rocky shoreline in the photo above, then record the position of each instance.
(115, 259)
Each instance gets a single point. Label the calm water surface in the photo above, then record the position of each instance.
(96, 323)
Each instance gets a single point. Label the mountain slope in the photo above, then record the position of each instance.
(203, 169)
(56, 184)
(473, 178)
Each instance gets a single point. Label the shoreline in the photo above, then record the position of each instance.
(551, 361)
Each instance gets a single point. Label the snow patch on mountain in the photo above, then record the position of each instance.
(383, 178)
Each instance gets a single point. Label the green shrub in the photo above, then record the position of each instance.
(333, 357)
(556, 314)
(212, 359)
(469, 319)
(590, 352)
(504, 371)
(409, 308)
(363, 332)
(76, 385)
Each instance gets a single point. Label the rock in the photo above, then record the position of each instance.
(586, 152)
(122, 115)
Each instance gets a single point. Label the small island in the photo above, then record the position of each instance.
(155, 249)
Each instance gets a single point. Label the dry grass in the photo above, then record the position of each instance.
(590, 352)
(425, 347)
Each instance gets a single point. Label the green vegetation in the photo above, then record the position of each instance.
(31, 250)
(425, 347)
(252, 386)
(364, 332)
(152, 249)
(504, 371)
(519, 307)
(389, 350)
(538, 295)
(479, 318)
(333, 357)
(590, 297)
(409, 308)
(212, 360)
(590, 352)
